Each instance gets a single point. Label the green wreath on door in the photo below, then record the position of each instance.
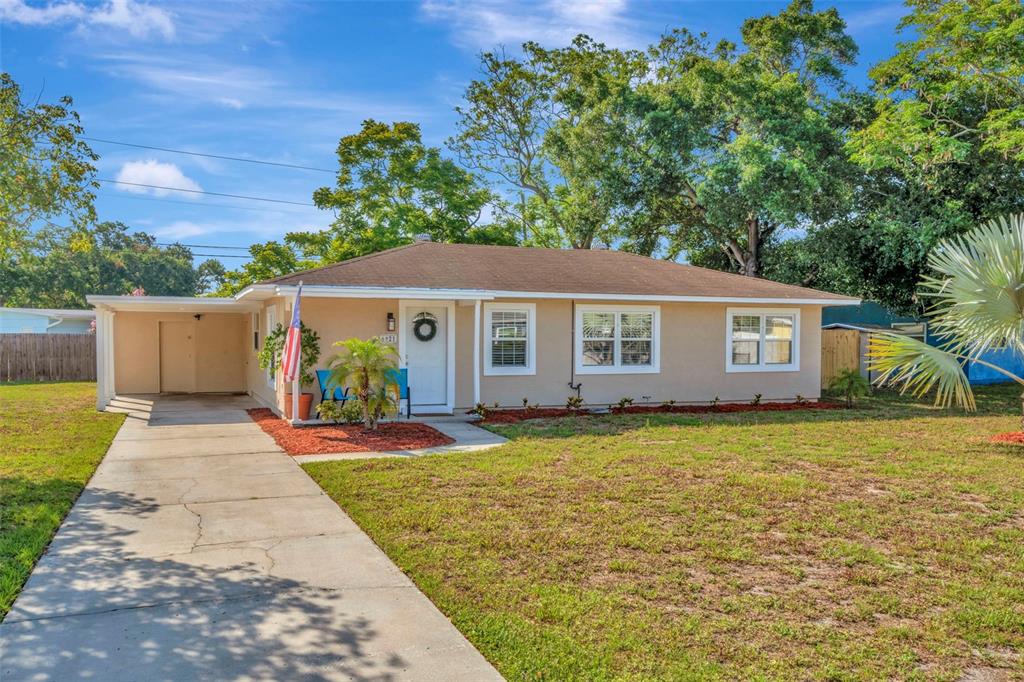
(424, 327)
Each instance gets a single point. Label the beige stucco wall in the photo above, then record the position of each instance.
(692, 338)
(219, 359)
(334, 319)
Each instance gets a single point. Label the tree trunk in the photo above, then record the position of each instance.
(364, 398)
(748, 260)
(752, 255)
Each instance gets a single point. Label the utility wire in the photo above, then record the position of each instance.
(211, 156)
(123, 195)
(203, 246)
(214, 194)
(219, 255)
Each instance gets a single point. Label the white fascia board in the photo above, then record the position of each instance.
(327, 291)
(257, 292)
(675, 299)
(165, 303)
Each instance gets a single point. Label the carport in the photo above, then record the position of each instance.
(170, 344)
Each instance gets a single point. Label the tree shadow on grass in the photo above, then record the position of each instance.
(95, 609)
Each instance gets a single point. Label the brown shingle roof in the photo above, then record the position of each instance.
(432, 265)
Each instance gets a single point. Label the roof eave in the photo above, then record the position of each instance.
(344, 291)
(191, 304)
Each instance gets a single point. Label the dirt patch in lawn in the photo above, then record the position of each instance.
(512, 416)
(310, 440)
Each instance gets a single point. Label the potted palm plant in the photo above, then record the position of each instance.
(269, 357)
(365, 366)
(978, 295)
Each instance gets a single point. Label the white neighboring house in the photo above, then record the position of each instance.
(45, 321)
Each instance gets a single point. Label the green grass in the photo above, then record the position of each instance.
(885, 542)
(51, 440)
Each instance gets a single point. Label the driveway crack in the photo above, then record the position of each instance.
(181, 498)
(199, 527)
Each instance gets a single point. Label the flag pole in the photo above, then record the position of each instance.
(296, 381)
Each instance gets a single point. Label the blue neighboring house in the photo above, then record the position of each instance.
(45, 321)
(870, 317)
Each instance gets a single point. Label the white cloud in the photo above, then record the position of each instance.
(137, 19)
(485, 24)
(886, 15)
(153, 172)
(260, 227)
(216, 81)
(20, 12)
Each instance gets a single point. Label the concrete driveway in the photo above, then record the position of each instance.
(200, 551)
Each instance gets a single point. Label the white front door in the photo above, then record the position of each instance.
(426, 354)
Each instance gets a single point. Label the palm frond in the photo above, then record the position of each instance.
(915, 367)
(977, 291)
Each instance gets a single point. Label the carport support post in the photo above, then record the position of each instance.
(476, 352)
(104, 357)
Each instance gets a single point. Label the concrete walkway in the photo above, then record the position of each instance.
(199, 550)
(468, 438)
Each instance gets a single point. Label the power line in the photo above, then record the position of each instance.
(211, 156)
(218, 255)
(203, 246)
(213, 194)
(123, 195)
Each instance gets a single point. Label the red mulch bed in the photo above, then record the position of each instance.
(1012, 438)
(511, 416)
(310, 440)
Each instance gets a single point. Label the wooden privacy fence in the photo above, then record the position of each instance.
(840, 350)
(47, 357)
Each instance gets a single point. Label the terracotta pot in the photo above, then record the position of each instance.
(305, 402)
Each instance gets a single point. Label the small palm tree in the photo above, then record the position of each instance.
(850, 384)
(366, 363)
(978, 295)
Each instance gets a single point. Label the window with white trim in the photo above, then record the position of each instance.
(510, 339)
(617, 339)
(762, 340)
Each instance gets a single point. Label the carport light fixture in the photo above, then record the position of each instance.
(198, 316)
(391, 322)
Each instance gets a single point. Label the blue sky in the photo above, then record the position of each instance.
(282, 81)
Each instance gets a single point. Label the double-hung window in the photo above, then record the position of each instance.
(762, 340)
(617, 339)
(510, 338)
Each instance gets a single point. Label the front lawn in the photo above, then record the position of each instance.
(51, 440)
(885, 542)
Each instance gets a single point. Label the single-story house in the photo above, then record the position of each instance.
(508, 323)
(45, 321)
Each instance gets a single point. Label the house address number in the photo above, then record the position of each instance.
(389, 338)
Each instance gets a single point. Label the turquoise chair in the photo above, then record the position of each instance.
(399, 379)
(323, 379)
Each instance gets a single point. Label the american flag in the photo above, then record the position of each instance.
(293, 342)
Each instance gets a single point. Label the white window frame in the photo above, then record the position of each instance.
(762, 366)
(531, 339)
(271, 324)
(653, 368)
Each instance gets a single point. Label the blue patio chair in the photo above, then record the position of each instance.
(340, 394)
(398, 381)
